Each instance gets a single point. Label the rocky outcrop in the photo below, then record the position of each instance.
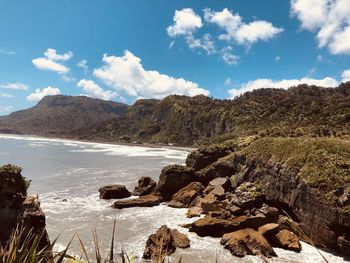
(115, 191)
(173, 178)
(185, 196)
(145, 186)
(142, 201)
(163, 243)
(19, 210)
(247, 242)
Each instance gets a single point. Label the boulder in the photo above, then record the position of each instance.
(173, 178)
(142, 201)
(203, 157)
(145, 186)
(163, 243)
(180, 239)
(185, 196)
(247, 195)
(287, 240)
(219, 192)
(215, 227)
(194, 212)
(247, 242)
(270, 229)
(159, 245)
(221, 181)
(116, 191)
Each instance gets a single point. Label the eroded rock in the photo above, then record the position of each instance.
(145, 186)
(116, 191)
(185, 196)
(142, 201)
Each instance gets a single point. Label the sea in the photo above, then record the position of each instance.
(66, 175)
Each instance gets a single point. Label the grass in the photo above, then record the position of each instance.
(323, 163)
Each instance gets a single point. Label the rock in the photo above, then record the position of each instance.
(247, 196)
(163, 243)
(223, 182)
(287, 240)
(159, 245)
(180, 239)
(219, 192)
(235, 210)
(142, 201)
(247, 242)
(270, 229)
(16, 208)
(194, 212)
(116, 191)
(344, 244)
(216, 227)
(145, 186)
(185, 196)
(201, 158)
(173, 178)
(64, 200)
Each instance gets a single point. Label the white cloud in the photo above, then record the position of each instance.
(186, 21)
(83, 65)
(14, 86)
(6, 95)
(95, 91)
(228, 57)
(329, 18)
(51, 54)
(346, 75)
(277, 59)
(50, 61)
(242, 33)
(126, 73)
(39, 94)
(205, 43)
(281, 84)
(228, 82)
(6, 109)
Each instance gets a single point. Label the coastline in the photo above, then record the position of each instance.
(64, 139)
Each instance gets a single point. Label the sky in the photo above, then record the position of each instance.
(126, 50)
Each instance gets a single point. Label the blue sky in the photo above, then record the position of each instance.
(125, 50)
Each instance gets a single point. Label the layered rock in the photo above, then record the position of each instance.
(19, 210)
(187, 195)
(163, 243)
(116, 191)
(142, 201)
(145, 186)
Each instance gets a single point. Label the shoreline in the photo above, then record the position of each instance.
(64, 139)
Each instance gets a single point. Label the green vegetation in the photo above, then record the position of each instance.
(324, 163)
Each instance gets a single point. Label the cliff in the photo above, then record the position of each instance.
(298, 111)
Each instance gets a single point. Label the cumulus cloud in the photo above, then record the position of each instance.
(205, 43)
(346, 75)
(236, 29)
(281, 84)
(39, 94)
(14, 86)
(95, 91)
(52, 61)
(186, 21)
(126, 73)
(228, 56)
(330, 19)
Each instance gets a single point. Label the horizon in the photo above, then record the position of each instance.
(126, 51)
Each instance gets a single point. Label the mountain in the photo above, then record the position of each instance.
(60, 115)
(299, 111)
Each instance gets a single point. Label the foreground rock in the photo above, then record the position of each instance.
(247, 242)
(116, 191)
(142, 201)
(163, 243)
(16, 208)
(287, 240)
(145, 186)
